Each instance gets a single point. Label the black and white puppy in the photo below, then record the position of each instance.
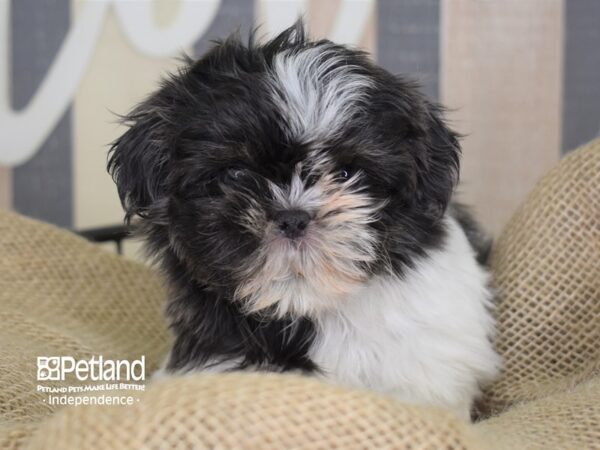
(298, 198)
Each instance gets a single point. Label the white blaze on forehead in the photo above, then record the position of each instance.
(317, 90)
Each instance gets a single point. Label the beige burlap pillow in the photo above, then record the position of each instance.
(567, 419)
(252, 411)
(60, 295)
(546, 266)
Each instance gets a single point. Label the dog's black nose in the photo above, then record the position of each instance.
(292, 222)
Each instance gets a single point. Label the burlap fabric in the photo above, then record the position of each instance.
(62, 296)
(546, 266)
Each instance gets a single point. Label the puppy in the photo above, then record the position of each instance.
(298, 198)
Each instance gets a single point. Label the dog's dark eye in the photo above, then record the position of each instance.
(345, 173)
(234, 173)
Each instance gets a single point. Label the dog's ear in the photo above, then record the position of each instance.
(439, 168)
(138, 159)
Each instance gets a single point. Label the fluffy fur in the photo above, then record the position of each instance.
(298, 199)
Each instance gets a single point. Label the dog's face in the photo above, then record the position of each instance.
(286, 175)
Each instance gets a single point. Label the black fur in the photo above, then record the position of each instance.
(210, 138)
(480, 241)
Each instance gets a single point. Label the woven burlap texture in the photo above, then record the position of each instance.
(546, 266)
(60, 295)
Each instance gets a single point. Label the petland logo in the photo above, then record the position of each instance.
(56, 368)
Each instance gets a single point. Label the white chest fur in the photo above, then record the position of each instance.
(423, 338)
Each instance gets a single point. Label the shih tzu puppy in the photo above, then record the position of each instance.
(298, 198)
